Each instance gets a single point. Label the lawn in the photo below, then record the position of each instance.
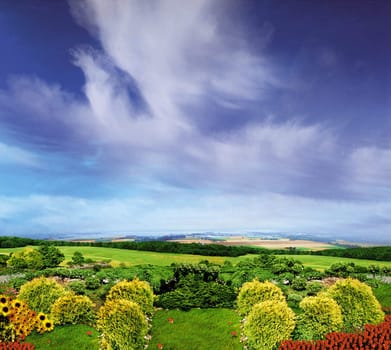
(197, 329)
(80, 337)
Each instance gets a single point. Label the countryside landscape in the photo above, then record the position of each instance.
(195, 175)
(194, 295)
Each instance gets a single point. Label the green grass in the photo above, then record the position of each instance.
(66, 338)
(197, 329)
(324, 262)
(134, 257)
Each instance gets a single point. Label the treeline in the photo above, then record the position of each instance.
(370, 253)
(382, 253)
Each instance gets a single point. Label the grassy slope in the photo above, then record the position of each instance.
(134, 257)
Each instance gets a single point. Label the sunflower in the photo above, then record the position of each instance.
(48, 326)
(3, 300)
(17, 304)
(5, 310)
(41, 317)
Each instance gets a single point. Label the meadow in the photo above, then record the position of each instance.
(118, 257)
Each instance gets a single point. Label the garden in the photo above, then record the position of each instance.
(52, 300)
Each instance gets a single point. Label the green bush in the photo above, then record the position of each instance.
(269, 323)
(299, 283)
(314, 288)
(255, 292)
(78, 287)
(295, 298)
(321, 315)
(123, 325)
(358, 304)
(198, 294)
(72, 308)
(41, 293)
(138, 291)
(92, 283)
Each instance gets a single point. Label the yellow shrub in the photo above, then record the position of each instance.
(138, 291)
(72, 308)
(358, 304)
(255, 292)
(269, 323)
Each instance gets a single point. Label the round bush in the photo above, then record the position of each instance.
(269, 323)
(358, 304)
(40, 293)
(123, 325)
(321, 315)
(72, 308)
(255, 292)
(138, 291)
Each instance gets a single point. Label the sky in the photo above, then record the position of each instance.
(194, 116)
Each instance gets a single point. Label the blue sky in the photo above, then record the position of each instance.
(172, 116)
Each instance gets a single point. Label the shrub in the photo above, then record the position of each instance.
(269, 323)
(321, 315)
(41, 293)
(358, 304)
(138, 291)
(72, 308)
(299, 283)
(314, 288)
(26, 259)
(295, 298)
(92, 282)
(255, 292)
(123, 325)
(78, 287)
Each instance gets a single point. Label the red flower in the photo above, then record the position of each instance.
(160, 346)
(89, 333)
(234, 334)
(170, 320)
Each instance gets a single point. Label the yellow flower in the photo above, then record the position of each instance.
(41, 317)
(5, 310)
(48, 326)
(3, 300)
(17, 304)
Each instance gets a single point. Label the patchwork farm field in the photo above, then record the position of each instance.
(117, 257)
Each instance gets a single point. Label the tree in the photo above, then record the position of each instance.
(51, 255)
(78, 258)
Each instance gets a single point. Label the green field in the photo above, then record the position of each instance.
(135, 257)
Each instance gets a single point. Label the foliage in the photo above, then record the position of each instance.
(313, 288)
(372, 337)
(72, 308)
(299, 283)
(17, 320)
(123, 325)
(41, 293)
(92, 282)
(358, 304)
(321, 315)
(78, 258)
(16, 346)
(138, 291)
(192, 293)
(268, 323)
(26, 259)
(255, 292)
(51, 255)
(78, 287)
